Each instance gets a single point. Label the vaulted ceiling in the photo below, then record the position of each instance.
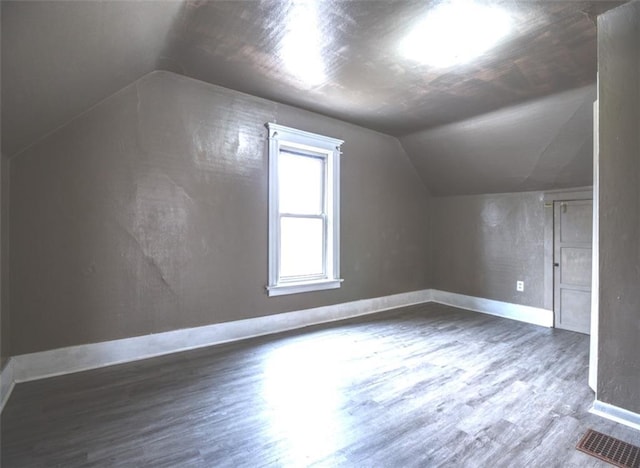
(335, 57)
(365, 78)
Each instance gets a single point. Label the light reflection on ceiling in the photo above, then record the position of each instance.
(456, 32)
(301, 49)
(334, 57)
(344, 59)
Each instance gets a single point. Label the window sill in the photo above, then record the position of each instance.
(307, 286)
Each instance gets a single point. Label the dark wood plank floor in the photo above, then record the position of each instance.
(421, 386)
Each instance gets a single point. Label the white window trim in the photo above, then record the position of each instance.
(280, 135)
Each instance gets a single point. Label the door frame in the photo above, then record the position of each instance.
(559, 285)
(582, 193)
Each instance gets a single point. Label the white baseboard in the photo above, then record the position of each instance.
(90, 356)
(7, 382)
(614, 413)
(522, 313)
(26, 367)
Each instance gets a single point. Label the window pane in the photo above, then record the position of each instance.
(301, 251)
(301, 179)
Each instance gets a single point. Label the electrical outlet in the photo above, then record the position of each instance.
(520, 286)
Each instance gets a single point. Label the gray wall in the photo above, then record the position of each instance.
(619, 200)
(4, 263)
(4, 317)
(540, 145)
(149, 213)
(483, 244)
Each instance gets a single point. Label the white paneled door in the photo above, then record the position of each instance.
(572, 254)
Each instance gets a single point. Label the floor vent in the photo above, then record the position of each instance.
(609, 449)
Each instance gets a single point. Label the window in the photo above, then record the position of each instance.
(304, 211)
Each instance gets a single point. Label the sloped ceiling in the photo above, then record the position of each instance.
(258, 48)
(59, 58)
(338, 58)
(539, 145)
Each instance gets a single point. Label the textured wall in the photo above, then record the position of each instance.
(149, 213)
(5, 329)
(619, 199)
(540, 145)
(483, 244)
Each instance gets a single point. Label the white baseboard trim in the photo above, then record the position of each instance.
(7, 382)
(26, 367)
(91, 356)
(614, 413)
(522, 313)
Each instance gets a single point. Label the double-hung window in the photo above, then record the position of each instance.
(304, 211)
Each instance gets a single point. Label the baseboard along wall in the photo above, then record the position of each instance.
(522, 313)
(616, 414)
(7, 382)
(26, 367)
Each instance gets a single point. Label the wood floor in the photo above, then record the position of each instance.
(422, 386)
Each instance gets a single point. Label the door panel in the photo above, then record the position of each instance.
(576, 263)
(572, 264)
(573, 303)
(575, 221)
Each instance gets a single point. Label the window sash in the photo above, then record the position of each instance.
(304, 153)
(307, 154)
(298, 278)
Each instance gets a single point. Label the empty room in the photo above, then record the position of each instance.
(464, 291)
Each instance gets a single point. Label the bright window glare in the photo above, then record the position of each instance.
(455, 33)
(301, 183)
(301, 250)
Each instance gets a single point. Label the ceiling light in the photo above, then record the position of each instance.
(456, 32)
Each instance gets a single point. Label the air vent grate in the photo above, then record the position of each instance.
(610, 449)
